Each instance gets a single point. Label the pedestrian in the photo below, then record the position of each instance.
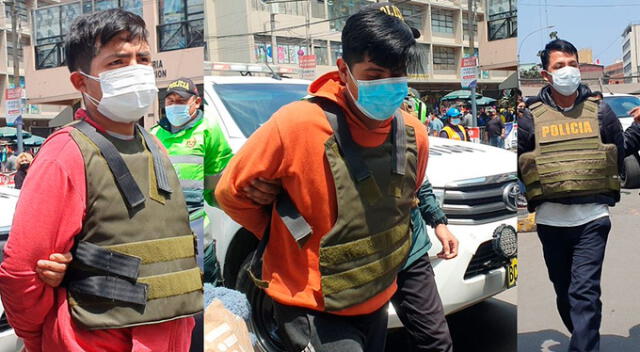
(520, 112)
(435, 125)
(483, 118)
(11, 161)
(452, 128)
(467, 121)
(571, 150)
(495, 130)
(199, 152)
(316, 305)
(24, 161)
(104, 190)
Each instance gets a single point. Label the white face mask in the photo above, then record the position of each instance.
(566, 80)
(127, 92)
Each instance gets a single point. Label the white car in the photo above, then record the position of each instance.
(621, 104)
(475, 184)
(8, 198)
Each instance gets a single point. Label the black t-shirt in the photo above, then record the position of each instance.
(494, 127)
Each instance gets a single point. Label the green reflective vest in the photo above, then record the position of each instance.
(569, 158)
(199, 152)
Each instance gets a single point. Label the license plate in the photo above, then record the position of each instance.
(512, 272)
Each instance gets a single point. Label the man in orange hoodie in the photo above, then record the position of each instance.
(350, 163)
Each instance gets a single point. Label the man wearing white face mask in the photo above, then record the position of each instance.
(199, 152)
(570, 151)
(104, 190)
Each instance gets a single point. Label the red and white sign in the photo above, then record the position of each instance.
(474, 132)
(13, 104)
(308, 66)
(469, 72)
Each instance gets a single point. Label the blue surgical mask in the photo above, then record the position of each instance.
(455, 121)
(379, 99)
(177, 114)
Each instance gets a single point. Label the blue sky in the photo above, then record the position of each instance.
(595, 24)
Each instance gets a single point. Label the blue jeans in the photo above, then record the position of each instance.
(496, 141)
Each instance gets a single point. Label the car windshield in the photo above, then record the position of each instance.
(251, 105)
(622, 105)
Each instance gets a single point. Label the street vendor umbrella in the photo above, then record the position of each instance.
(485, 101)
(462, 94)
(11, 132)
(33, 141)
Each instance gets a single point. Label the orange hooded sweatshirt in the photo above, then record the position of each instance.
(290, 147)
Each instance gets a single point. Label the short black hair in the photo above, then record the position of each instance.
(90, 31)
(597, 94)
(387, 40)
(556, 45)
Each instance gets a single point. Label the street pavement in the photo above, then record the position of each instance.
(486, 327)
(539, 325)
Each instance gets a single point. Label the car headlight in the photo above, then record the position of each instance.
(505, 241)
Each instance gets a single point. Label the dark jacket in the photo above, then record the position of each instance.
(18, 179)
(610, 133)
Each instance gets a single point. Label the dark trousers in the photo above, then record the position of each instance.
(574, 257)
(307, 330)
(419, 308)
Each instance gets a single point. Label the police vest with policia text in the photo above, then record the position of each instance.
(569, 158)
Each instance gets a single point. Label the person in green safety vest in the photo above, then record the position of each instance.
(199, 152)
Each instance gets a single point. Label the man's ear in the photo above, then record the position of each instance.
(198, 102)
(78, 81)
(342, 70)
(547, 77)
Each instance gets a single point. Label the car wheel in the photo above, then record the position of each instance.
(262, 324)
(631, 174)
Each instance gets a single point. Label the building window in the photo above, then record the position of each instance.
(21, 9)
(51, 24)
(627, 68)
(444, 59)
(502, 19)
(293, 8)
(339, 11)
(336, 51)
(442, 21)
(465, 26)
(413, 15)
(626, 45)
(181, 24)
(321, 52)
(289, 49)
(627, 57)
(420, 69)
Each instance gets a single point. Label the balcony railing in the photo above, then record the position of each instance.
(181, 35)
(49, 55)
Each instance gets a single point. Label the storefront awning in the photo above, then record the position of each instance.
(510, 83)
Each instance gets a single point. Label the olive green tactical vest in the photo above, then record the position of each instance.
(156, 235)
(370, 241)
(569, 158)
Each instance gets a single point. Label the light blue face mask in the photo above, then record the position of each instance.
(455, 121)
(378, 99)
(177, 114)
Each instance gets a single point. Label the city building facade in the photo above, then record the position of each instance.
(630, 47)
(176, 39)
(240, 32)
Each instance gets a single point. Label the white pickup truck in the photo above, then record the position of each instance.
(475, 184)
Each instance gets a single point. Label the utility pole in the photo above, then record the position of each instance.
(471, 22)
(307, 21)
(274, 47)
(16, 68)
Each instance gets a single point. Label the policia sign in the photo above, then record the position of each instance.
(569, 158)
